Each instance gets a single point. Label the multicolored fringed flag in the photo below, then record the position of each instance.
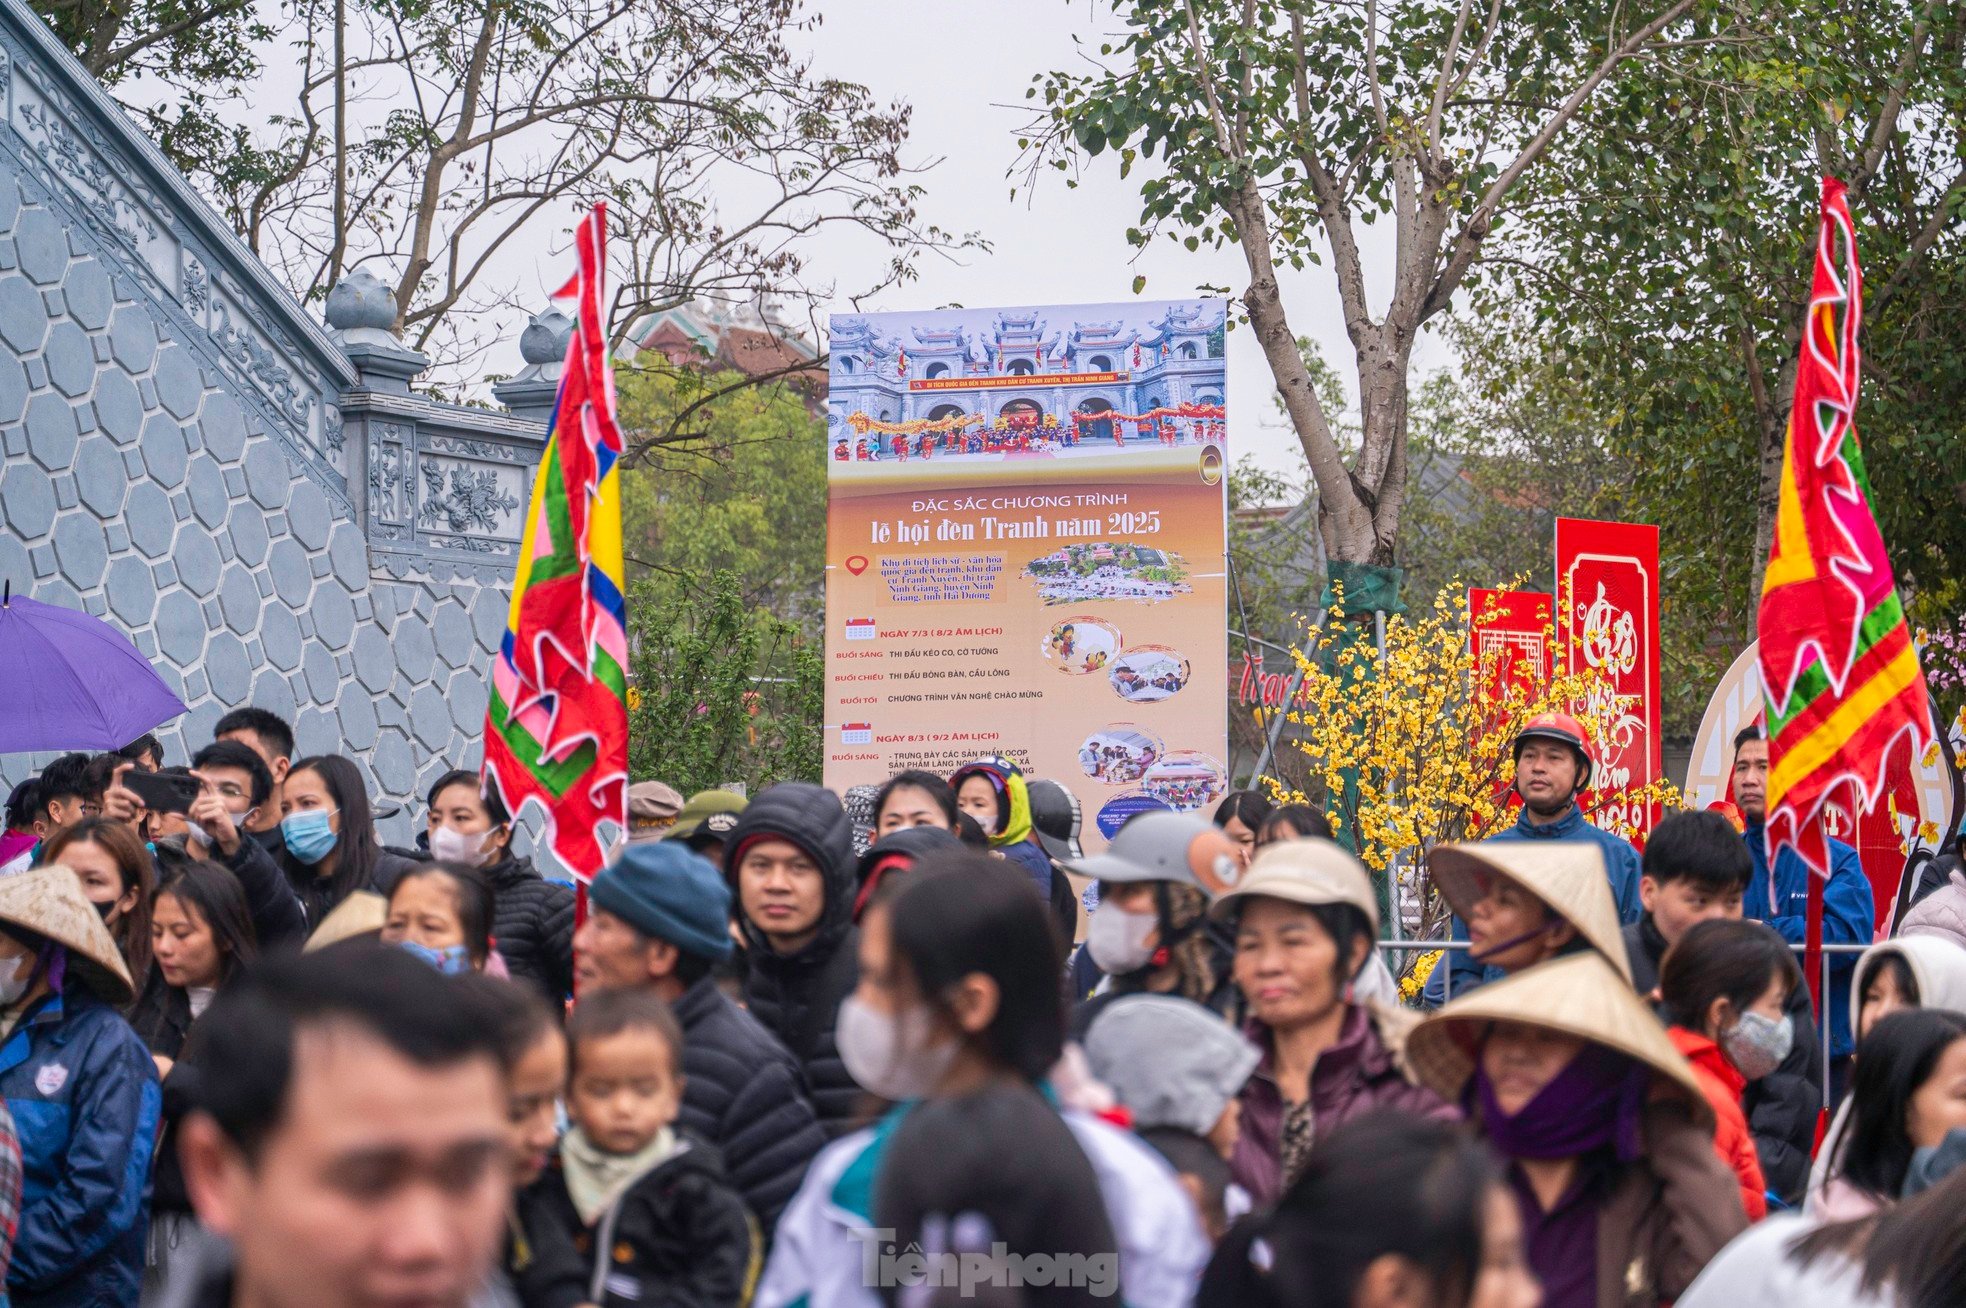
(1838, 666)
(556, 732)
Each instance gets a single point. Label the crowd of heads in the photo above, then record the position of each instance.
(325, 1069)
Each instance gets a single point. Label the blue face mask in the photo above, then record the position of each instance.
(451, 960)
(308, 835)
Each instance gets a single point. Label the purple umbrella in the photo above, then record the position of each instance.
(70, 681)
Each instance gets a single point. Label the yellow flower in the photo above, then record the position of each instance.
(1408, 756)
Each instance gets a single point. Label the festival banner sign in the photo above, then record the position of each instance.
(1607, 579)
(1026, 541)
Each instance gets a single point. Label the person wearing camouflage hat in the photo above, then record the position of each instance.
(706, 821)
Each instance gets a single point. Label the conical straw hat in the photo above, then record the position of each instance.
(1578, 995)
(49, 900)
(1567, 875)
(361, 913)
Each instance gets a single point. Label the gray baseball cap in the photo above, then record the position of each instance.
(1176, 847)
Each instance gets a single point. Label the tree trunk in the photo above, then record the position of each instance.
(1384, 380)
(1345, 518)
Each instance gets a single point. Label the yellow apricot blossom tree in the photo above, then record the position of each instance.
(1412, 749)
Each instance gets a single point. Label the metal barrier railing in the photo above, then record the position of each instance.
(1822, 1018)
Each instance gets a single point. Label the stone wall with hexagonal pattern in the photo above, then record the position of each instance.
(189, 455)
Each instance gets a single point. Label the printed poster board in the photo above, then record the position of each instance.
(1025, 550)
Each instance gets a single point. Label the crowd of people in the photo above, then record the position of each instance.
(798, 1051)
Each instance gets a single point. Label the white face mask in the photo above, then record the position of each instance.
(449, 846)
(1118, 940)
(888, 1054)
(15, 974)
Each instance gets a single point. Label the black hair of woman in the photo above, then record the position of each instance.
(1386, 1184)
(356, 849)
(214, 894)
(1898, 1056)
(1293, 822)
(961, 913)
(1248, 807)
(494, 808)
(1726, 959)
(936, 788)
(475, 899)
(1912, 1254)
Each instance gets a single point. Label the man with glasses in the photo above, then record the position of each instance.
(236, 785)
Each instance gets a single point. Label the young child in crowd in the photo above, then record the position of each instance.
(1177, 1069)
(631, 1210)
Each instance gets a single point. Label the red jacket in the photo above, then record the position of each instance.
(1731, 1138)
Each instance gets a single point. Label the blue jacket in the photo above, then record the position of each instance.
(1620, 863)
(1849, 916)
(83, 1092)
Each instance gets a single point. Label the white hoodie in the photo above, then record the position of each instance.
(1939, 967)
(818, 1251)
(1758, 1271)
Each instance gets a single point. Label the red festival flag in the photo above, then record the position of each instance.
(1838, 668)
(556, 729)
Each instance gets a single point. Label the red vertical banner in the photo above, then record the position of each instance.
(1509, 637)
(1607, 621)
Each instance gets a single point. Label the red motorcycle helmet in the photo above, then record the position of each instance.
(1564, 730)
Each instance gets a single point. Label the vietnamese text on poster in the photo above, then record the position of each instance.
(1026, 549)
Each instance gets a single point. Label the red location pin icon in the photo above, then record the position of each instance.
(857, 564)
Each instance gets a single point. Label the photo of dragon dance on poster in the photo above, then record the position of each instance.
(1025, 549)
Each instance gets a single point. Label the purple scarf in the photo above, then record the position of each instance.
(1594, 1103)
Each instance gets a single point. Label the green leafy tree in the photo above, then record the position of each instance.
(202, 53)
(1282, 127)
(745, 492)
(424, 140)
(726, 543)
(1668, 276)
(721, 693)
(1500, 450)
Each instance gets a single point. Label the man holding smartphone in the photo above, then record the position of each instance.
(268, 736)
(235, 784)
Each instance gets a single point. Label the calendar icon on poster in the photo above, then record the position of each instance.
(857, 733)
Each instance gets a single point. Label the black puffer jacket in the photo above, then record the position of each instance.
(315, 891)
(278, 918)
(532, 923)
(678, 1236)
(797, 996)
(744, 1094)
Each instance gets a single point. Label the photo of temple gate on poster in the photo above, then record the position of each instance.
(1026, 537)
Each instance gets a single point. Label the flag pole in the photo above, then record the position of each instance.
(1812, 949)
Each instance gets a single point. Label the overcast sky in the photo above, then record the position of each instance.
(964, 68)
